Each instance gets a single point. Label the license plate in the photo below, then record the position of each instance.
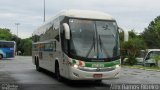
(97, 75)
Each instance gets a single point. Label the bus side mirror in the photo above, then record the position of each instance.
(67, 30)
(126, 35)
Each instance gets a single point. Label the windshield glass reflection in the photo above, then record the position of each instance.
(94, 39)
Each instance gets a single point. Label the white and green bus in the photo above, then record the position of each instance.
(78, 45)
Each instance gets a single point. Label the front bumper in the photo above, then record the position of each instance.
(77, 74)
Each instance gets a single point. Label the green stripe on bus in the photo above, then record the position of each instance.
(87, 64)
(110, 64)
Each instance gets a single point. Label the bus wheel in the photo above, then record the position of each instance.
(58, 76)
(1, 56)
(38, 68)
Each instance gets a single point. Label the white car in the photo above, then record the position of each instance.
(149, 58)
(146, 57)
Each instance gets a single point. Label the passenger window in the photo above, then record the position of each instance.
(48, 47)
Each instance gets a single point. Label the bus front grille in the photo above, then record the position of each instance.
(96, 69)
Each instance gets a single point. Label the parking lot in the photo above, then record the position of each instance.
(21, 73)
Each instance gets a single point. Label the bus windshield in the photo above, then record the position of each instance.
(7, 49)
(94, 39)
(6, 45)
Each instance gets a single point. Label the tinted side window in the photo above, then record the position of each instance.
(48, 47)
(6, 44)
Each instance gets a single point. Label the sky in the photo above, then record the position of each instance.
(129, 14)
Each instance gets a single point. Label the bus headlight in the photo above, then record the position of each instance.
(75, 66)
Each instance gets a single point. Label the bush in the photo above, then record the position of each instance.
(133, 47)
(131, 60)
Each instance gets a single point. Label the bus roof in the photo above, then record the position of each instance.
(6, 41)
(85, 14)
(88, 14)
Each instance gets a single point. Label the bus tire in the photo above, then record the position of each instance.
(35, 58)
(1, 56)
(57, 72)
(38, 68)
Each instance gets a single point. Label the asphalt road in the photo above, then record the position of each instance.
(20, 74)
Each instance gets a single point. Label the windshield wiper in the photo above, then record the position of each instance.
(93, 46)
(100, 42)
(102, 46)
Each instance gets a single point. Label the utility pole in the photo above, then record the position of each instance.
(17, 38)
(17, 28)
(44, 11)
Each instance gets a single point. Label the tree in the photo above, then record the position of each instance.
(132, 34)
(26, 46)
(151, 34)
(5, 34)
(133, 47)
(23, 45)
(18, 42)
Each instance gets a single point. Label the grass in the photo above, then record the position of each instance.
(142, 67)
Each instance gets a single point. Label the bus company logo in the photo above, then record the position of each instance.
(98, 69)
